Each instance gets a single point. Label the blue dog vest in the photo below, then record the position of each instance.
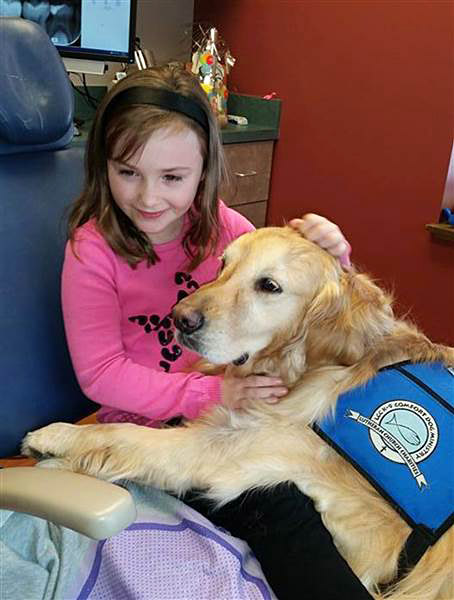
(398, 431)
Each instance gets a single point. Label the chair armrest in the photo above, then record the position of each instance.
(90, 506)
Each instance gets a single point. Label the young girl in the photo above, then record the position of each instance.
(148, 230)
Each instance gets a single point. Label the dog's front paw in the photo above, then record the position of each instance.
(53, 440)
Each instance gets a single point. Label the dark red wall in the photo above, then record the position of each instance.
(366, 130)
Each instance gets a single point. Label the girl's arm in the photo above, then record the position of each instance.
(106, 374)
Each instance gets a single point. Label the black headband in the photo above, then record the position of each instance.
(163, 99)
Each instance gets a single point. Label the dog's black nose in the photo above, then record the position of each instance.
(189, 322)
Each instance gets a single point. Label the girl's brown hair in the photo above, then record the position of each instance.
(123, 131)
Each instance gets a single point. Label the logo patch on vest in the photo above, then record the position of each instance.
(397, 431)
(403, 432)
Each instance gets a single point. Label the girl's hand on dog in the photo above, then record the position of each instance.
(240, 391)
(325, 234)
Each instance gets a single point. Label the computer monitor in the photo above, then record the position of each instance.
(94, 30)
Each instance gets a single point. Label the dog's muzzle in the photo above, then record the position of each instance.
(190, 322)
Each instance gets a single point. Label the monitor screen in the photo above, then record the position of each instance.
(87, 29)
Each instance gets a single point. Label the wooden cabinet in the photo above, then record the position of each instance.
(249, 166)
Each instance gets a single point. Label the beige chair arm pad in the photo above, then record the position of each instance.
(90, 506)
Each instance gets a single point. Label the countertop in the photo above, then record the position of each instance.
(263, 117)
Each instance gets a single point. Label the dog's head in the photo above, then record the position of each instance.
(281, 304)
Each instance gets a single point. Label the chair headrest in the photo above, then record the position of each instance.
(36, 99)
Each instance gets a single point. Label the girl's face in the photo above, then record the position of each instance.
(157, 186)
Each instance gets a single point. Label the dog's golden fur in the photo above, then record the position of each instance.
(323, 331)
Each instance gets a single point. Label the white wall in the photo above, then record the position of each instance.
(164, 27)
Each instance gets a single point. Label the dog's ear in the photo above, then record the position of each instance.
(368, 315)
(346, 318)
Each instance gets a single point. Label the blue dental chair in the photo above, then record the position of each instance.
(168, 551)
(40, 175)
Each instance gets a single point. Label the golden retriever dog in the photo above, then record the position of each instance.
(281, 306)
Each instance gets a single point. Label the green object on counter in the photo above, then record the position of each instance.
(263, 119)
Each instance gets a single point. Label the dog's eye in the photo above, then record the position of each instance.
(268, 285)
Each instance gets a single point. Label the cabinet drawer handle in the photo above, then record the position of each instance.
(246, 174)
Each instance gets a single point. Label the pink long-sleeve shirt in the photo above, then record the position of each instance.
(119, 330)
